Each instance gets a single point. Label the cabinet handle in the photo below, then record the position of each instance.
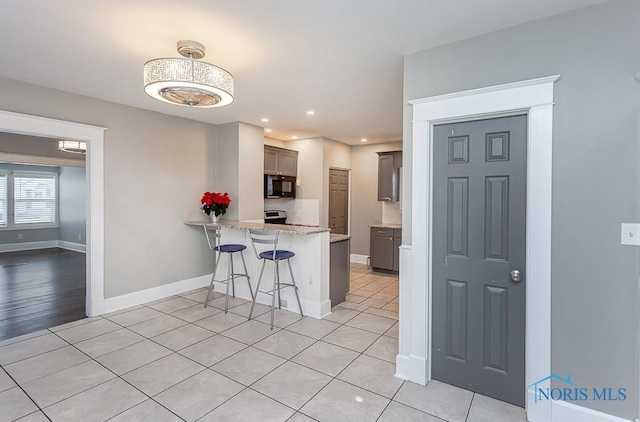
(386, 199)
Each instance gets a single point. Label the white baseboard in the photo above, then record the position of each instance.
(71, 246)
(45, 244)
(402, 367)
(113, 304)
(563, 411)
(28, 246)
(359, 259)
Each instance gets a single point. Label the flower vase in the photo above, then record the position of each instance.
(214, 218)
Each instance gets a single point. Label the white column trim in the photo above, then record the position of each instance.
(25, 124)
(534, 98)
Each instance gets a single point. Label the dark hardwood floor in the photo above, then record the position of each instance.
(40, 289)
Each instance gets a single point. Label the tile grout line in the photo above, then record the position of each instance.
(470, 404)
(26, 394)
(116, 376)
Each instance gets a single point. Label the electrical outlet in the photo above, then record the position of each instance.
(630, 234)
(283, 303)
(79, 237)
(20, 236)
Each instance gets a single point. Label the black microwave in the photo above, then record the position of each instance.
(279, 186)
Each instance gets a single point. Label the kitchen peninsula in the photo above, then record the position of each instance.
(310, 265)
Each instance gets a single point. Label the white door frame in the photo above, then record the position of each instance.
(25, 124)
(534, 98)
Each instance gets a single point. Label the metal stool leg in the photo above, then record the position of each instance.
(295, 288)
(226, 298)
(276, 284)
(215, 268)
(278, 271)
(257, 289)
(244, 264)
(233, 276)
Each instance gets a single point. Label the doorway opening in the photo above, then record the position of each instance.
(24, 124)
(42, 235)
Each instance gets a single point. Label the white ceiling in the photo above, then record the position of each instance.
(340, 58)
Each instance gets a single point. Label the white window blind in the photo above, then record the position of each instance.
(3, 200)
(34, 199)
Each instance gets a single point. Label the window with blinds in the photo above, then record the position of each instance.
(3, 200)
(34, 199)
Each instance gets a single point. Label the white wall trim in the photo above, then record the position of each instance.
(94, 136)
(128, 300)
(72, 246)
(28, 246)
(40, 160)
(359, 259)
(568, 412)
(535, 98)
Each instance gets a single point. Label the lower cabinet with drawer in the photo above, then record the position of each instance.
(385, 248)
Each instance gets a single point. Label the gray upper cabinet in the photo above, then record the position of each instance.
(280, 161)
(270, 161)
(389, 164)
(288, 163)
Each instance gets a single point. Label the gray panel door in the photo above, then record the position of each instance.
(479, 190)
(339, 201)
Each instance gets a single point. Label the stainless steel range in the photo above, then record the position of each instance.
(275, 217)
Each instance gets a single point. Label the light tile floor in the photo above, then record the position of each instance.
(174, 360)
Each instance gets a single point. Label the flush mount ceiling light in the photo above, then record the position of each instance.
(75, 147)
(188, 82)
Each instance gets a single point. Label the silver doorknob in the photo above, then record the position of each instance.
(515, 275)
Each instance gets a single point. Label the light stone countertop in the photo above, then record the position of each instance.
(387, 226)
(282, 228)
(338, 237)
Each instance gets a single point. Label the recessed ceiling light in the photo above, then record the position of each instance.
(311, 112)
(268, 130)
(294, 137)
(265, 120)
(363, 140)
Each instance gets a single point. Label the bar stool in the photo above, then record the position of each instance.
(229, 249)
(270, 237)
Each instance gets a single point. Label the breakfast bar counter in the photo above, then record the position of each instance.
(310, 265)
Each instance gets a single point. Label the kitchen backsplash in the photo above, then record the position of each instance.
(391, 213)
(305, 212)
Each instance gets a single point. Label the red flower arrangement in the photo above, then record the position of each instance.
(215, 202)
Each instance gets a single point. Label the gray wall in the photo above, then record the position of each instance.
(595, 173)
(29, 235)
(365, 208)
(72, 205)
(227, 166)
(33, 145)
(239, 162)
(251, 177)
(155, 167)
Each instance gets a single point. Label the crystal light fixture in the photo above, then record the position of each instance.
(188, 82)
(75, 147)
